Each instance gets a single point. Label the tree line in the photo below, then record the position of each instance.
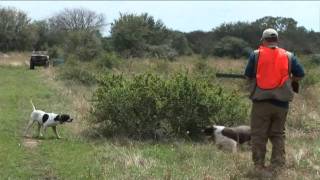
(78, 32)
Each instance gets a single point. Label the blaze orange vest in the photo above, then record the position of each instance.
(272, 68)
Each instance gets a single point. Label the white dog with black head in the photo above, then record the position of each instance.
(227, 138)
(46, 120)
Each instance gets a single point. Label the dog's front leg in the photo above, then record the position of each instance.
(39, 134)
(54, 128)
(30, 123)
(45, 130)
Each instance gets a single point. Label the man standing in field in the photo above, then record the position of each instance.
(272, 69)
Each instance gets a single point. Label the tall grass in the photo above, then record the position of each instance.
(80, 157)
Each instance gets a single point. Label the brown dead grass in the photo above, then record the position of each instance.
(15, 58)
(228, 65)
(301, 157)
(78, 96)
(184, 63)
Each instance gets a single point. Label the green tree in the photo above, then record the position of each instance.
(201, 42)
(180, 43)
(281, 24)
(85, 45)
(15, 31)
(292, 37)
(80, 29)
(133, 34)
(232, 46)
(41, 40)
(77, 19)
(249, 32)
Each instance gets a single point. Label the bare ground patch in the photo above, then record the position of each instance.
(30, 142)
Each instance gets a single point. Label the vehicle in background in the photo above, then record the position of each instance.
(39, 58)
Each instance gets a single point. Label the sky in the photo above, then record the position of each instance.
(184, 16)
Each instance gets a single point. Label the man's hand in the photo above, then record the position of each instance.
(295, 86)
(295, 79)
(295, 83)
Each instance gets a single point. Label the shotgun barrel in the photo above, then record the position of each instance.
(295, 85)
(227, 75)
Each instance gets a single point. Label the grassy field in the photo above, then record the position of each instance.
(77, 156)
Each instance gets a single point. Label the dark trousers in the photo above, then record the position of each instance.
(268, 123)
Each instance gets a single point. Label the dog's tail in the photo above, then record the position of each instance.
(34, 108)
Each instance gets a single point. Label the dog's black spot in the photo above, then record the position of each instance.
(230, 134)
(45, 117)
(244, 137)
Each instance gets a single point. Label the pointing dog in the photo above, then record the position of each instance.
(227, 138)
(46, 120)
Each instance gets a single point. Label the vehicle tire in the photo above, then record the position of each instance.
(46, 65)
(31, 65)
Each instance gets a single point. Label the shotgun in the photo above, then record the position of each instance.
(226, 75)
(295, 85)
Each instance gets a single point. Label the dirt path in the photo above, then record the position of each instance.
(30, 143)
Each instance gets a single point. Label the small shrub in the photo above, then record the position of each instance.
(311, 66)
(311, 78)
(203, 70)
(202, 67)
(109, 60)
(86, 46)
(315, 59)
(77, 72)
(161, 51)
(55, 52)
(180, 43)
(141, 106)
(161, 66)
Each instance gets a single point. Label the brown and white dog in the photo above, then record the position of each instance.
(227, 138)
(46, 120)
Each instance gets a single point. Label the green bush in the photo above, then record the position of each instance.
(132, 33)
(161, 66)
(311, 78)
(180, 43)
(86, 46)
(140, 106)
(109, 60)
(77, 72)
(201, 67)
(55, 52)
(161, 51)
(315, 59)
(232, 46)
(311, 66)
